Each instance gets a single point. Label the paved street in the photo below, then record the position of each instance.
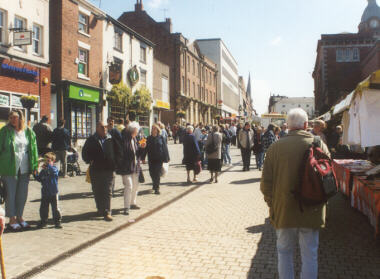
(221, 231)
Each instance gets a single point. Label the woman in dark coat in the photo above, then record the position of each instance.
(158, 153)
(258, 148)
(191, 152)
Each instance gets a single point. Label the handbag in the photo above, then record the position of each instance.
(198, 167)
(211, 148)
(141, 177)
(164, 169)
(88, 177)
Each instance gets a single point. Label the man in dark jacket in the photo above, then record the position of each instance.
(98, 151)
(43, 133)
(61, 143)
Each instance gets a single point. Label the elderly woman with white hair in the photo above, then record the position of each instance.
(318, 127)
(130, 166)
(191, 153)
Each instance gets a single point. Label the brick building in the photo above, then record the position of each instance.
(192, 76)
(76, 36)
(343, 60)
(24, 62)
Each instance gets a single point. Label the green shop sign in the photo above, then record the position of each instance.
(83, 94)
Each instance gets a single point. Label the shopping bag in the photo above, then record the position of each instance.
(164, 169)
(141, 177)
(198, 168)
(88, 177)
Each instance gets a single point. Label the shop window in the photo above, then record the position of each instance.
(20, 23)
(83, 23)
(143, 77)
(143, 54)
(3, 27)
(37, 42)
(83, 62)
(81, 121)
(118, 39)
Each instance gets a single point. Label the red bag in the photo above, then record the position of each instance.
(318, 181)
(198, 167)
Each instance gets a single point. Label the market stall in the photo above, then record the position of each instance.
(360, 121)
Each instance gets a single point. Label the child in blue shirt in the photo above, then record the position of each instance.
(49, 191)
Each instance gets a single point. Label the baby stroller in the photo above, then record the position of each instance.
(73, 167)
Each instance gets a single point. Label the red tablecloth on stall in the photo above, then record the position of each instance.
(365, 197)
(344, 171)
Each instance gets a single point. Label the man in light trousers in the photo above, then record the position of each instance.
(279, 178)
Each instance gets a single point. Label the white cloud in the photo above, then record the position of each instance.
(154, 4)
(276, 41)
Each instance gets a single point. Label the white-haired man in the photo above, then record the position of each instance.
(279, 178)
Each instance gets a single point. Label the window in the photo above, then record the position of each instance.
(83, 23)
(199, 92)
(3, 26)
(194, 89)
(183, 85)
(188, 63)
(188, 86)
(37, 47)
(183, 60)
(143, 77)
(210, 79)
(206, 94)
(347, 55)
(206, 76)
(193, 67)
(143, 54)
(118, 39)
(165, 89)
(199, 70)
(19, 23)
(81, 121)
(283, 106)
(83, 62)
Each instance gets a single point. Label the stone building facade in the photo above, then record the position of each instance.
(24, 69)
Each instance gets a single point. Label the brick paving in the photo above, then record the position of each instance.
(221, 231)
(26, 250)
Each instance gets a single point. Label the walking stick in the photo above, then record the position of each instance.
(2, 259)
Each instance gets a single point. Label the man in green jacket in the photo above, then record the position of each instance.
(279, 178)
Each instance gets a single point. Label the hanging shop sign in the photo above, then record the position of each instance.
(83, 94)
(133, 76)
(4, 100)
(21, 38)
(115, 73)
(162, 104)
(18, 73)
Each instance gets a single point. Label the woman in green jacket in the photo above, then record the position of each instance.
(18, 159)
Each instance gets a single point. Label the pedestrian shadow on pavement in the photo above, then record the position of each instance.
(72, 196)
(87, 216)
(246, 181)
(264, 262)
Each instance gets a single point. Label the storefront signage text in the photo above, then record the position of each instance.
(17, 72)
(83, 94)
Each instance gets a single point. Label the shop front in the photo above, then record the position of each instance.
(158, 108)
(19, 79)
(82, 107)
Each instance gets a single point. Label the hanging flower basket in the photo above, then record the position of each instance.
(181, 114)
(28, 102)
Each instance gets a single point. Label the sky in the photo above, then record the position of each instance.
(273, 40)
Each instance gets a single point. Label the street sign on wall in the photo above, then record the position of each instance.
(21, 38)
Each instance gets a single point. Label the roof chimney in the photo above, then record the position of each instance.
(139, 6)
(168, 25)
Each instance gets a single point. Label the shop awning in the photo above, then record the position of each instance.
(344, 104)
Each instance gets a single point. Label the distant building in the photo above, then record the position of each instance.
(343, 60)
(245, 107)
(228, 76)
(192, 75)
(282, 104)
